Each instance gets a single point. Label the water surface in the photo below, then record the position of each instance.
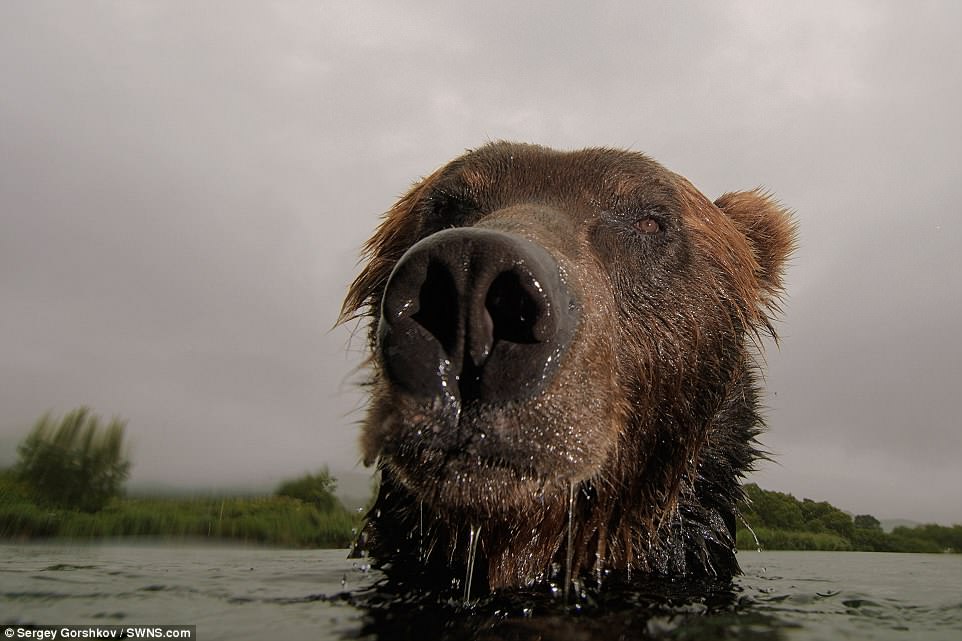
(262, 593)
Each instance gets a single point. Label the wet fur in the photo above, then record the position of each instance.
(652, 419)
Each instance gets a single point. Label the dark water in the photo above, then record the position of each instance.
(258, 593)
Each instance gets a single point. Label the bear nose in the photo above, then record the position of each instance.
(476, 314)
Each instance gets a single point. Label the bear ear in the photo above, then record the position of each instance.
(769, 227)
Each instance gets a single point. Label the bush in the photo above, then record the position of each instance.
(315, 489)
(775, 539)
(867, 522)
(75, 463)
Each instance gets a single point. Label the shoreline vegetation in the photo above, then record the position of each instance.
(68, 483)
(778, 520)
(271, 519)
(69, 478)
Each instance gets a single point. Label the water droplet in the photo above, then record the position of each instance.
(421, 531)
(569, 554)
(473, 536)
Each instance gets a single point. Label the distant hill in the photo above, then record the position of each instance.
(154, 489)
(890, 524)
(354, 488)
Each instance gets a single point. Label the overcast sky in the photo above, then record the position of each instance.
(184, 188)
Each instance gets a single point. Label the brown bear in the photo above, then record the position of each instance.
(563, 368)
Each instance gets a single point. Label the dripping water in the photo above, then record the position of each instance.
(569, 558)
(473, 536)
(421, 554)
(599, 569)
(758, 545)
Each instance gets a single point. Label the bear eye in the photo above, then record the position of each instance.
(449, 208)
(648, 225)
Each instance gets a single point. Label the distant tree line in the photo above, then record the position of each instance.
(69, 477)
(78, 462)
(70, 472)
(779, 521)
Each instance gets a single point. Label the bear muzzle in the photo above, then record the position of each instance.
(474, 315)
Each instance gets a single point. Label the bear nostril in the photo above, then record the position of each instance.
(512, 310)
(438, 306)
(474, 314)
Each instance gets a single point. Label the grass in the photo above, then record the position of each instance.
(275, 520)
(771, 539)
(292, 522)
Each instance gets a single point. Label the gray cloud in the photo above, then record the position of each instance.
(184, 188)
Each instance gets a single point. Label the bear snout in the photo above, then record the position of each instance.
(473, 314)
